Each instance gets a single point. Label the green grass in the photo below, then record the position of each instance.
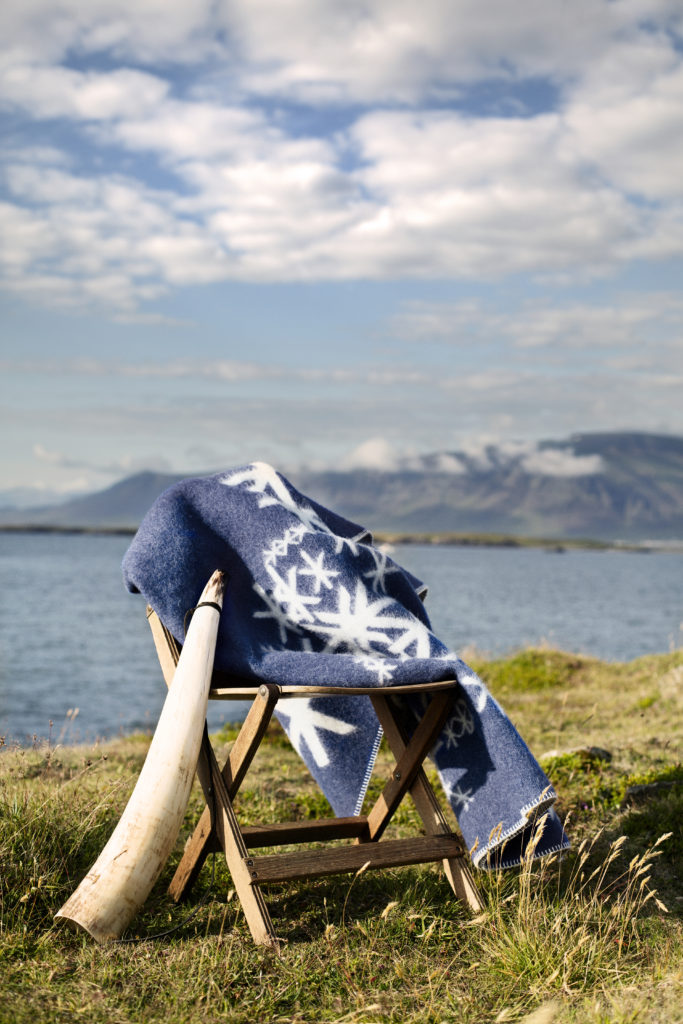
(531, 670)
(593, 938)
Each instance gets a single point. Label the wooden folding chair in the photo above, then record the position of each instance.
(218, 827)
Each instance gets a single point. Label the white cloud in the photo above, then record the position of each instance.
(628, 132)
(447, 463)
(388, 50)
(231, 371)
(650, 322)
(144, 30)
(196, 132)
(488, 453)
(409, 186)
(556, 462)
(485, 452)
(477, 455)
(56, 92)
(95, 411)
(45, 455)
(376, 453)
(368, 50)
(382, 456)
(108, 240)
(453, 322)
(467, 197)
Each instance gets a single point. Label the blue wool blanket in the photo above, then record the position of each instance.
(310, 601)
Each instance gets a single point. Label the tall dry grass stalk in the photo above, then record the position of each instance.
(573, 924)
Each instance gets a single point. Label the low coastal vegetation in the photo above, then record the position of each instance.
(595, 937)
(444, 538)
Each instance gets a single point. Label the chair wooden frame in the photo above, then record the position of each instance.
(219, 829)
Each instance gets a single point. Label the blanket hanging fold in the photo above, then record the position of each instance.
(310, 601)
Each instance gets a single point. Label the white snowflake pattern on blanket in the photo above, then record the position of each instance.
(306, 592)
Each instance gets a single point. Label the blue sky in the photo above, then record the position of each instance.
(326, 232)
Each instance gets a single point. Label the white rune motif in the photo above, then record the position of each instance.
(304, 724)
(280, 546)
(351, 542)
(415, 634)
(461, 797)
(476, 690)
(275, 611)
(277, 549)
(449, 737)
(461, 720)
(384, 669)
(458, 724)
(259, 476)
(288, 597)
(358, 624)
(378, 575)
(316, 569)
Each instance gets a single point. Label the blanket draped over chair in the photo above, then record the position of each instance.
(310, 601)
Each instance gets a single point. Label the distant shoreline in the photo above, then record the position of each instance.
(115, 531)
(445, 539)
(551, 544)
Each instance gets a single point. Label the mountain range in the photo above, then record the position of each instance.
(608, 486)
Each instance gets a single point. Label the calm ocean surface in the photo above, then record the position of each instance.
(72, 637)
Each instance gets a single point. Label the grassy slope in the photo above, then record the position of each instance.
(555, 943)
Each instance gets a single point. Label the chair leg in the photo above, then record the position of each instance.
(456, 869)
(237, 857)
(203, 838)
(408, 763)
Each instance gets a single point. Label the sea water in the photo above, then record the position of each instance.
(71, 637)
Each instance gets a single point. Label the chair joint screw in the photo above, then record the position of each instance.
(249, 862)
(397, 776)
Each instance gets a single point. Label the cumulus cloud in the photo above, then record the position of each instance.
(480, 151)
(59, 92)
(119, 407)
(375, 453)
(624, 116)
(558, 462)
(367, 50)
(474, 455)
(445, 462)
(103, 240)
(487, 454)
(415, 182)
(143, 30)
(382, 456)
(389, 50)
